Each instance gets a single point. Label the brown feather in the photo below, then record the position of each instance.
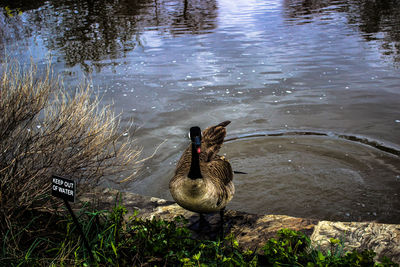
(212, 140)
(216, 171)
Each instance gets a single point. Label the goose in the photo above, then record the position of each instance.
(203, 180)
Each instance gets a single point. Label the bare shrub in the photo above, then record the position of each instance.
(45, 130)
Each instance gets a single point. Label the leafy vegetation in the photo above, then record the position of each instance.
(137, 242)
(293, 248)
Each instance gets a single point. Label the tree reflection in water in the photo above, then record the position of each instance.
(95, 33)
(90, 33)
(376, 20)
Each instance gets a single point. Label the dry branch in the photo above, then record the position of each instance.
(46, 130)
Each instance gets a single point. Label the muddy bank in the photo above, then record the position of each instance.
(253, 230)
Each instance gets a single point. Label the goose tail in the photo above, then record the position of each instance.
(224, 123)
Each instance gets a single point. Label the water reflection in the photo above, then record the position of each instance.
(379, 20)
(196, 16)
(376, 20)
(86, 32)
(304, 10)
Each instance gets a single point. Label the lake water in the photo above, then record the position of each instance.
(312, 89)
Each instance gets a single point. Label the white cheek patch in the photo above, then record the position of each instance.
(189, 135)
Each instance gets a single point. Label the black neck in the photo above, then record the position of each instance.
(194, 172)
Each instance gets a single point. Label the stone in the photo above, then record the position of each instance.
(253, 230)
(384, 239)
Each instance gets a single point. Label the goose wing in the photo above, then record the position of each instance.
(220, 170)
(212, 140)
(183, 165)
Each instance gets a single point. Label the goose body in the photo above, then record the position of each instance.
(203, 180)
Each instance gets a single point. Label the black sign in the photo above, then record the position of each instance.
(63, 188)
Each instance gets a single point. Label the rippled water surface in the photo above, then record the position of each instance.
(287, 66)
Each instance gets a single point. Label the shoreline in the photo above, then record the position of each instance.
(253, 230)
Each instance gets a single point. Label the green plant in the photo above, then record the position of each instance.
(293, 248)
(115, 241)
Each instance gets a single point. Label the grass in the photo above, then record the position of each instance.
(138, 242)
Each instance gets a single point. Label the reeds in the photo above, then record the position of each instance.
(46, 130)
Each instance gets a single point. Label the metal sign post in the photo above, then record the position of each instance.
(66, 189)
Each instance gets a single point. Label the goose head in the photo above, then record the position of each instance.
(195, 137)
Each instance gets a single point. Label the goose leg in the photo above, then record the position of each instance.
(221, 214)
(201, 225)
(202, 221)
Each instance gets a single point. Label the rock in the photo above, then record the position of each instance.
(384, 239)
(253, 230)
